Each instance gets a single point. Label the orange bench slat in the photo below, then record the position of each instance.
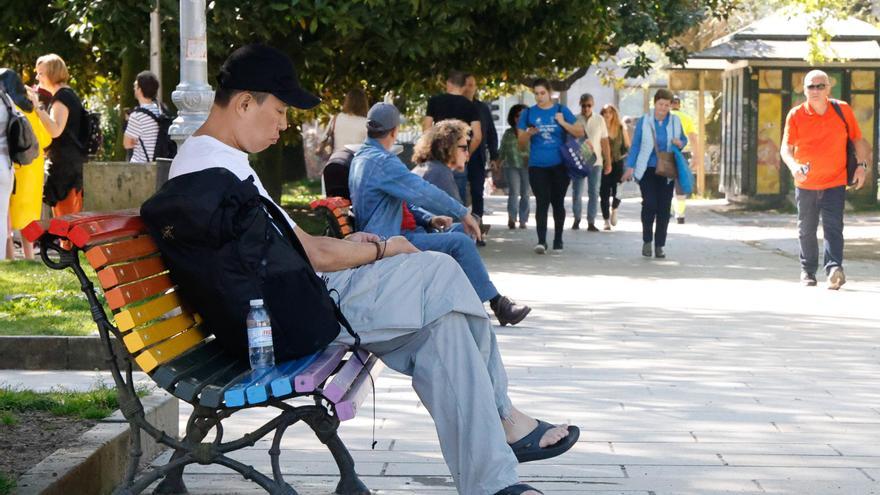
(137, 291)
(112, 276)
(104, 254)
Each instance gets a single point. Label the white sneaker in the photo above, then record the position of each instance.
(614, 216)
(540, 248)
(607, 225)
(836, 278)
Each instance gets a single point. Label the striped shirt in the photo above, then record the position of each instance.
(145, 131)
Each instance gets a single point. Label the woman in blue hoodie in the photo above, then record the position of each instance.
(656, 131)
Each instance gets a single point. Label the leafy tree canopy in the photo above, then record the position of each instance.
(383, 45)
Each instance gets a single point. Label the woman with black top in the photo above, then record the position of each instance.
(63, 191)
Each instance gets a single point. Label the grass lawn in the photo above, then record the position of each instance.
(94, 404)
(37, 300)
(295, 198)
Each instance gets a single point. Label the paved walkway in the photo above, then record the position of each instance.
(710, 372)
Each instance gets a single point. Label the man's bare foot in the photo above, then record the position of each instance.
(518, 425)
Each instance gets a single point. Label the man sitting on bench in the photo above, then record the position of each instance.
(381, 184)
(415, 310)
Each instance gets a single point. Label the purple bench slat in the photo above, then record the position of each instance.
(345, 377)
(317, 372)
(347, 408)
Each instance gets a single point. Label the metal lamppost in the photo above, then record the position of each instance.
(193, 96)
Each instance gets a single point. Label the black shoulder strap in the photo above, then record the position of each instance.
(839, 113)
(146, 112)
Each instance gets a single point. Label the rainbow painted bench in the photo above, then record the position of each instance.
(167, 340)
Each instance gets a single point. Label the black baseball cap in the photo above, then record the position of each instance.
(259, 67)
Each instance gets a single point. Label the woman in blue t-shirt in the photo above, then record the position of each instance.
(542, 128)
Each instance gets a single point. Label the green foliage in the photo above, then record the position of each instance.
(94, 404)
(39, 301)
(6, 484)
(8, 419)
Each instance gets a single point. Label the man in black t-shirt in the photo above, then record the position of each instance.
(453, 105)
(476, 165)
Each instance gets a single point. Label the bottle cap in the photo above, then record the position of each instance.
(256, 302)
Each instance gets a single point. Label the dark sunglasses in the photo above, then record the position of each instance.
(819, 86)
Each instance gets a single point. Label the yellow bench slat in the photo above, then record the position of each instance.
(161, 353)
(130, 318)
(157, 332)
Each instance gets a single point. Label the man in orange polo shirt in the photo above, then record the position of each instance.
(814, 149)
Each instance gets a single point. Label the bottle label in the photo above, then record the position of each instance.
(260, 336)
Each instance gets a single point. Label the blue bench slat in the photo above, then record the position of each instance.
(259, 391)
(234, 395)
(212, 392)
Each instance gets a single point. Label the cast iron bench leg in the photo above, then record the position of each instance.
(200, 423)
(325, 428)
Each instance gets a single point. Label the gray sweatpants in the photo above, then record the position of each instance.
(451, 354)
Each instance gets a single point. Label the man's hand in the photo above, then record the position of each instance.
(560, 118)
(398, 245)
(472, 227)
(676, 142)
(441, 222)
(627, 174)
(362, 237)
(606, 170)
(799, 175)
(859, 177)
(531, 130)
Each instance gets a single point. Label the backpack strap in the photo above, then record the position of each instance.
(144, 147)
(839, 113)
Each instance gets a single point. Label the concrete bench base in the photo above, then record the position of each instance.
(98, 462)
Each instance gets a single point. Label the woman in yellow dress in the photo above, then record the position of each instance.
(25, 205)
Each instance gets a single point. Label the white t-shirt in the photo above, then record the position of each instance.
(596, 130)
(349, 129)
(202, 152)
(144, 129)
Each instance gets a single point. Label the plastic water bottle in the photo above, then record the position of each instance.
(259, 330)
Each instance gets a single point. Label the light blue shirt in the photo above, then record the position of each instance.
(380, 183)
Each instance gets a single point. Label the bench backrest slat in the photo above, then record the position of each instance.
(137, 291)
(162, 352)
(105, 254)
(130, 318)
(124, 273)
(157, 332)
(105, 229)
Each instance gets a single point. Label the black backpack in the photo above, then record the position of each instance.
(23, 145)
(226, 245)
(165, 146)
(90, 138)
(336, 174)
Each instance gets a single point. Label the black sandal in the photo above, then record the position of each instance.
(518, 489)
(528, 448)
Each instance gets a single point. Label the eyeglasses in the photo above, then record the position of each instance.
(819, 86)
